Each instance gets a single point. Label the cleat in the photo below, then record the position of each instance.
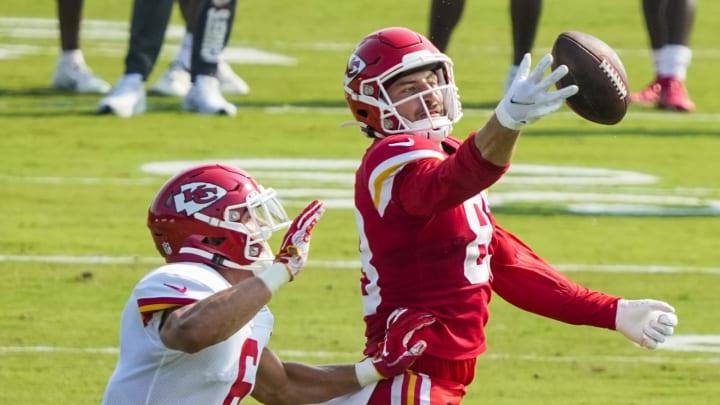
(230, 82)
(674, 96)
(650, 95)
(205, 98)
(78, 77)
(126, 99)
(175, 82)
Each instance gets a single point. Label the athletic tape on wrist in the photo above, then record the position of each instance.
(366, 373)
(275, 276)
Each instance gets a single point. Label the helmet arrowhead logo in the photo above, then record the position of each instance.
(194, 197)
(354, 67)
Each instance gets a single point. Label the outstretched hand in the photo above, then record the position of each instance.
(646, 322)
(528, 98)
(296, 242)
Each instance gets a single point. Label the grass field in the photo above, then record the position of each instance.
(631, 209)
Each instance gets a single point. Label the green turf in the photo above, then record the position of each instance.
(73, 186)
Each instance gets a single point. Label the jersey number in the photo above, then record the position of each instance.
(246, 373)
(477, 262)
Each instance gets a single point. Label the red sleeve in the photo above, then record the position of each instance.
(438, 185)
(525, 280)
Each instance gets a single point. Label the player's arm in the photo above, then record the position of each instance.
(481, 160)
(295, 383)
(525, 280)
(428, 186)
(193, 327)
(495, 142)
(280, 382)
(204, 323)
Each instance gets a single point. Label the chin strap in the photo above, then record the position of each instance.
(368, 131)
(352, 124)
(256, 267)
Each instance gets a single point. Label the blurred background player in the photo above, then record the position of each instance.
(176, 80)
(669, 25)
(211, 29)
(524, 18)
(71, 72)
(196, 330)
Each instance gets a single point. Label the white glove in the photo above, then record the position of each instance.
(645, 322)
(528, 99)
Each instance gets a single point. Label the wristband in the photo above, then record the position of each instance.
(275, 276)
(366, 373)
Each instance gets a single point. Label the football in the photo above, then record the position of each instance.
(599, 73)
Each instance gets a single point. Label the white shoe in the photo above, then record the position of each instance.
(205, 98)
(77, 76)
(175, 82)
(126, 99)
(230, 82)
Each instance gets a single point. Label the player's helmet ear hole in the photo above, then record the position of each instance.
(214, 241)
(363, 113)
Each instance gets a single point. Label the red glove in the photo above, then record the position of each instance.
(296, 243)
(396, 356)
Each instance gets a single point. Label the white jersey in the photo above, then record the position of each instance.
(148, 373)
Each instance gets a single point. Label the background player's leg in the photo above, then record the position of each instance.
(444, 16)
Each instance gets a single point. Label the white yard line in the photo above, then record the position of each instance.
(682, 343)
(356, 355)
(355, 264)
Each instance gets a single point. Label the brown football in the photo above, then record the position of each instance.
(599, 73)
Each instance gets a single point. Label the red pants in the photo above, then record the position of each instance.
(417, 389)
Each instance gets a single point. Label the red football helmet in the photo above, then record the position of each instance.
(382, 57)
(218, 215)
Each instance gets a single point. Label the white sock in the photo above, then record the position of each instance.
(675, 61)
(134, 78)
(72, 56)
(657, 56)
(185, 52)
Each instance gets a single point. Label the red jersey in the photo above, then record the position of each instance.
(426, 241)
